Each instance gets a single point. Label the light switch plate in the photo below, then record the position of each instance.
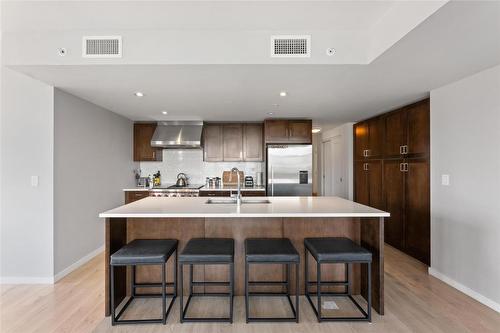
(445, 180)
(34, 181)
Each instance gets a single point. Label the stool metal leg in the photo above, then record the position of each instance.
(175, 275)
(181, 298)
(164, 294)
(318, 291)
(306, 273)
(112, 290)
(231, 291)
(247, 268)
(191, 280)
(297, 291)
(369, 312)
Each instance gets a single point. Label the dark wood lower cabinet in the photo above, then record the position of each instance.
(417, 209)
(394, 185)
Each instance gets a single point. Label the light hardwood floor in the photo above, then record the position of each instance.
(415, 302)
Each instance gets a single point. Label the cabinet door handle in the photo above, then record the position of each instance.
(403, 167)
(401, 150)
(154, 155)
(406, 149)
(406, 167)
(365, 166)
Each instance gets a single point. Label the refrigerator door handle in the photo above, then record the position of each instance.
(272, 181)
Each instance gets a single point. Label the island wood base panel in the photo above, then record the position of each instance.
(367, 231)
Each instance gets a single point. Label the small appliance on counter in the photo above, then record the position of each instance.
(248, 181)
(259, 179)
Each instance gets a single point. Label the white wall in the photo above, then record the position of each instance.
(465, 221)
(27, 135)
(92, 163)
(344, 132)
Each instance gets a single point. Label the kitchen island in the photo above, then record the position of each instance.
(295, 218)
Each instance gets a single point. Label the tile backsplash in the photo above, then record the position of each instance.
(190, 162)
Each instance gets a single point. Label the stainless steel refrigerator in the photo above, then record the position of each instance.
(289, 170)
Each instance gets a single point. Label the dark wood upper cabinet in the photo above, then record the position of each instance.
(143, 133)
(233, 142)
(418, 129)
(300, 131)
(395, 133)
(360, 140)
(276, 130)
(417, 209)
(213, 149)
(375, 137)
(288, 131)
(253, 143)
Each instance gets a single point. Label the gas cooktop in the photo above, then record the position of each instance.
(175, 187)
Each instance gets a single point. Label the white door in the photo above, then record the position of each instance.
(334, 183)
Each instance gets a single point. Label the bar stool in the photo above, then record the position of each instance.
(272, 251)
(207, 251)
(336, 250)
(144, 252)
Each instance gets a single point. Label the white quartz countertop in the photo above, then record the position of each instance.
(158, 207)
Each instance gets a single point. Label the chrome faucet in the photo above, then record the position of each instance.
(238, 196)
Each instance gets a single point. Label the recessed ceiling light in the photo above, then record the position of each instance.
(316, 130)
(283, 93)
(164, 112)
(139, 94)
(270, 113)
(276, 105)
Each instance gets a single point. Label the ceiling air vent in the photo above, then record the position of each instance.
(291, 46)
(102, 46)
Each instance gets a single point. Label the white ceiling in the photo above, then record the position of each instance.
(459, 39)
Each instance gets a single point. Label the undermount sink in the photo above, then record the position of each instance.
(231, 201)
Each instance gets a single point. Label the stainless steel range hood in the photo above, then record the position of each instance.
(177, 134)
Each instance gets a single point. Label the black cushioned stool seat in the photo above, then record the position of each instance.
(272, 251)
(207, 251)
(144, 252)
(336, 250)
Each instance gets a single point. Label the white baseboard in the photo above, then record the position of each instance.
(77, 264)
(466, 290)
(51, 279)
(26, 280)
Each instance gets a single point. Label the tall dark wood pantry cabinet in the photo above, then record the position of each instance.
(392, 172)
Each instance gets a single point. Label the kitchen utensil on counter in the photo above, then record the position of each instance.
(181, 180)
(142, 182)
(157, 179)
(248, 181)
(231, 178)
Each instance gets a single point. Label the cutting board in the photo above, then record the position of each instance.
(231, 178)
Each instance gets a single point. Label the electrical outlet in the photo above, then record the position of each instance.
(34, 181)
(445, 180)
